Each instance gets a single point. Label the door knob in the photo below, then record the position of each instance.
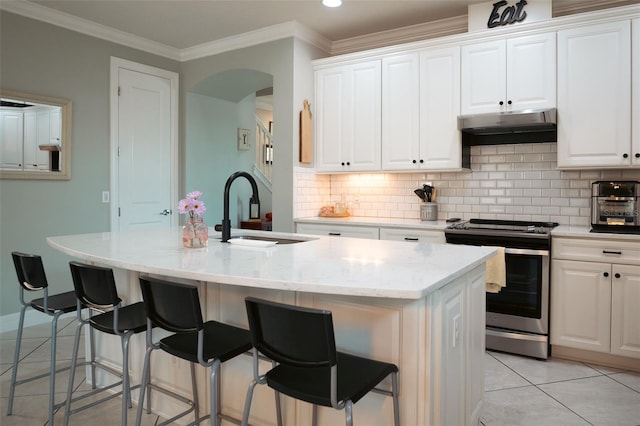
(165, 212)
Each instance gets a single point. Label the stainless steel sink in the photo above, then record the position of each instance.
(279, 240)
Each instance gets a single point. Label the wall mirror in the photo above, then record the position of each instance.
(35, 136)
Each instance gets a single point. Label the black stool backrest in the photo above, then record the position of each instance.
(293, 335)
(94, 285)
(172, 306)
(30, 271)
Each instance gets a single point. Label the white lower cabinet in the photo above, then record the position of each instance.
(413, 235)
(368, 232)
(373, 232)
(595, 306)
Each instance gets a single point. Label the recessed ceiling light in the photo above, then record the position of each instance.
(332, 3)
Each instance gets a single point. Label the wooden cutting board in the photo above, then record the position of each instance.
(306, 134)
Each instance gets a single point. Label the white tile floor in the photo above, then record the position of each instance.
(519, 391)
(524, 391)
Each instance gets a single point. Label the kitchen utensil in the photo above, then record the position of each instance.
(420, 193)
(428, 189)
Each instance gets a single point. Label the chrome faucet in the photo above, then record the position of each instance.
(226, 223)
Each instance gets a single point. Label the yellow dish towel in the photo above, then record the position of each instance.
(496, 275)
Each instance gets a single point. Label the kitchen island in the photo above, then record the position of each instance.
(420, 306)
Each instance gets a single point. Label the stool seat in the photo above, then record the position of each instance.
(356, 376)
(64, 302)
(221, 341)
(131, 318)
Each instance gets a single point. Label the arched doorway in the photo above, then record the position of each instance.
(217, 109)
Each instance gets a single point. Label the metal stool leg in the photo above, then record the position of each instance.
(126, 391)
(396, 402)
(144, 383)
(214, 393)
(194, 390)
(52, 374)
(348, 412)
(16, 360)
(72, 373)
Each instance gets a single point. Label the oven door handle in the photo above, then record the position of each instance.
(526, 252)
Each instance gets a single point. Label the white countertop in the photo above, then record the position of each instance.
(345, 266)
(376, 221)
(583, 231)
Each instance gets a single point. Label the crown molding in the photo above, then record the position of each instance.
(256, 37)
(83, 26)
(589, 5)
(424, 31)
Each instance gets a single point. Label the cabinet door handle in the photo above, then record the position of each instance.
(625, 155)
(637, 154)
(411, 239)
(334, 234)
(421, 161)
(509, 102)
(606, 274)
(501, 103)
(414, 161)
(611, 252)
(617, 275)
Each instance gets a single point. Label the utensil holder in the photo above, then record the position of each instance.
(429, 211)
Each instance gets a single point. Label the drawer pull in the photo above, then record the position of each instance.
(611, 252)
(606, 274)
(617, 275)
(334, 234)
(410, 238)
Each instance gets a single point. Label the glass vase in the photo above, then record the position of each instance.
(195, 233)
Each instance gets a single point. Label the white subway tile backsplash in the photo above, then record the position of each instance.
(518, 182)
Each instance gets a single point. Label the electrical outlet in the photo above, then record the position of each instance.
(105, 196)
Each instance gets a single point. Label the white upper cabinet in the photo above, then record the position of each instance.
(347, 119)
(509, 75)
(401, 112)
(594, 96)
(420, 105)
(440, 144)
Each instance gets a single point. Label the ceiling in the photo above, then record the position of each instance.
(181, 24)
(187, 23)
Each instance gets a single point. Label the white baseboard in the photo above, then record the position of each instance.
(32, 317)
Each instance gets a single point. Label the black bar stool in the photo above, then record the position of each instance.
(31, 277)
(302, 344)
(95, 288)
(176, 308)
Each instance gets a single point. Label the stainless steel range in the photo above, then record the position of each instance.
(517, 316)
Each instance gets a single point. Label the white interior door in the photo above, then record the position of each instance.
(144, 146)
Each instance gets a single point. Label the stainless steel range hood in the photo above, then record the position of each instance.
(527, 126)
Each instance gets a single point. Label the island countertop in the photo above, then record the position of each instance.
(327, 265)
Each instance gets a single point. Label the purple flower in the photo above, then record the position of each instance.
(192, 205)
(194, 195)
